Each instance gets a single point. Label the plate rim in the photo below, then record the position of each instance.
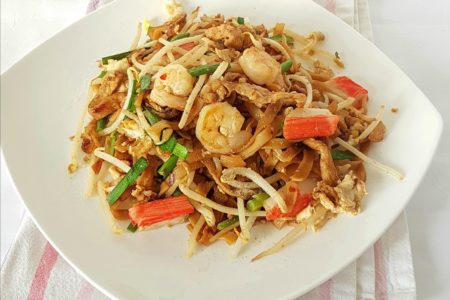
(294, 293)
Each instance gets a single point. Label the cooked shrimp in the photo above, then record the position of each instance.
(259, 66)
(219, 128)
(172, 86)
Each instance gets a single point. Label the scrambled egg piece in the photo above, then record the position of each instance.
(131, 129)
(345, 197)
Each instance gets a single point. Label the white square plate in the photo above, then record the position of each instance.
(42, 96)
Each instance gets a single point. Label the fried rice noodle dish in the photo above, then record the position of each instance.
(224, 125)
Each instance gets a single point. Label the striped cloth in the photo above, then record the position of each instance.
(34, 270)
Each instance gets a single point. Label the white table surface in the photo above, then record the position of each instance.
(413, 33)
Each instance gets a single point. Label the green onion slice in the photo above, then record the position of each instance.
(101, 124)
(279, 38)
(169, 145)
(203, 69)
(179, 37)
(132, 227)
(151, 117)
(180, 151)
(286, 65)
(131, 107)
(168, 166)
(112, 143)
(341, 155)
(240, 20)
(177, 193)
(127, 180)
(145, 82)
(115, 57)
(102, 74)
(228, 222)
(257, 201)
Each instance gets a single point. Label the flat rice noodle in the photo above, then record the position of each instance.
(277, 143)
(260, 139)
(253, 145)
(204, 187)
(315, 171)
(195, 110)
(195, 166)
(360, 172)
(305, 166)
(269, 160)
(254, 111)
(364, 147)
(270, 114)
(120, 214)
(288, 154)
(230, 237)
(284, 177)
(282, 166)
(97, 165)
(222, 198)
(232, 161)
(146, 179)
(249, 124)
(193, 218)
(277, 125)
(195, 155)
(254, 162)
(225, 188)
(204, 235)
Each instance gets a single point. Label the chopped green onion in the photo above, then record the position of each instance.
(145, 82)
(341, 155)
(112, 142)
(169, 145)
(203, 69)
(228, 222)
(131, 107)
(132, 227)
(128, 179)
(102, 74)
(286, 65)
(179, 37)
(180, 151)
(279, 38)
(240, 20)
(257, 202)
(177, 193)
(115, 57)
(151, 117)
(168, 166)
(101, 124)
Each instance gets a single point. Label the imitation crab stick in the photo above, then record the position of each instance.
(295, 200)
(309, 123)
(188, 46)
(345, 87)
(157, 211)
(303, 201)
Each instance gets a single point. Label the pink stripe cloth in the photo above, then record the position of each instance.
(45, 267)
(33, 269)
(380, 272)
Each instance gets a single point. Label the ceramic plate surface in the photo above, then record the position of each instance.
(42, 97)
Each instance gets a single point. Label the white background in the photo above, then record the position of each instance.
(413, 33)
